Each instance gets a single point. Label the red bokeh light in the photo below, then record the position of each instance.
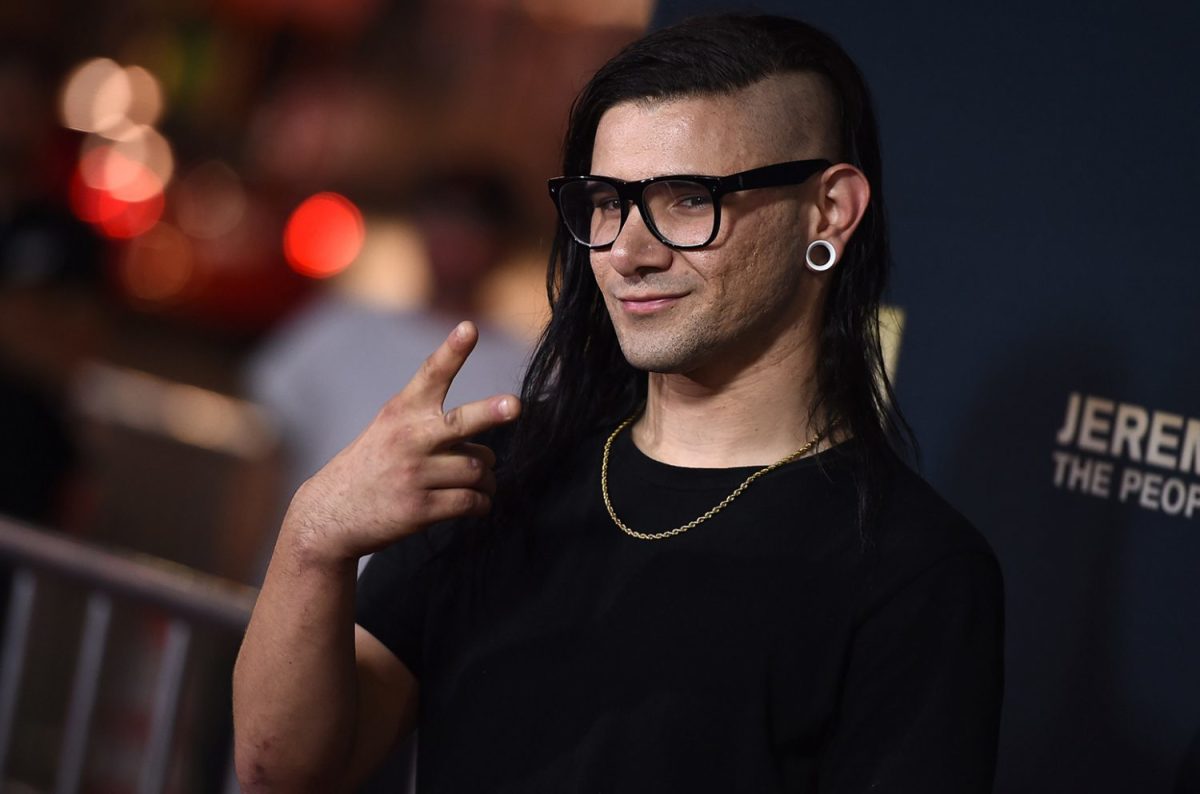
(113, 216)
(323, 235)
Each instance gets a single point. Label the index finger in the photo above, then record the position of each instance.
(433, 378)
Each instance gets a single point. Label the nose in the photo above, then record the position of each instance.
(636, 248)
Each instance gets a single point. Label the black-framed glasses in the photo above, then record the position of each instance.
(683, 211)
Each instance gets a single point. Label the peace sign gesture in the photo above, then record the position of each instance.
(411, 467)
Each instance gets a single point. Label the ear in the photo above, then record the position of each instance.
(841, 200)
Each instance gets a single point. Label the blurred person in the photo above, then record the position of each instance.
(51, 316)
(52, 308)
(324, 373)
(689, 557)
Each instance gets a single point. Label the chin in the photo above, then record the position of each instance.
(665, 356)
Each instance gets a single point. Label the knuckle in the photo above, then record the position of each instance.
(484, 455)
(409, 509)
(387, 415)
(394, 408)
(413, 504)
(413, 434)
(467, 501)
(455, 420)
(408, 472)
(410, 435)
(428, 370)
(419, 505)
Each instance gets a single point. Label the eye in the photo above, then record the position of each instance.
(607, 204)
(604, 200)
(692, 202)
(696, 201)
(680, 197)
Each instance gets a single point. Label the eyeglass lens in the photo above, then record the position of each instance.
(681, 210)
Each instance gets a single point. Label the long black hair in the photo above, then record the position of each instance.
(578, 380)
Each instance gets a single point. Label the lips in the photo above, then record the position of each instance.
(647, 304)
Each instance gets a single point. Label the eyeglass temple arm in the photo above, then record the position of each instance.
(773, 175)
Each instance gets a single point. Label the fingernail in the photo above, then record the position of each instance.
(461, 330)
(506, 407)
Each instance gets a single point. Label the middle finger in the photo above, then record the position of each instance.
(457, 469)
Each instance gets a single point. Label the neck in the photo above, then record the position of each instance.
(734, 415)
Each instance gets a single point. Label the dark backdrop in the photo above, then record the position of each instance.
(1042, 175)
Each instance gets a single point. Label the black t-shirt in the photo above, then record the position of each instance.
(769, 649)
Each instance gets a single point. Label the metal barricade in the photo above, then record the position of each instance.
(187, 597)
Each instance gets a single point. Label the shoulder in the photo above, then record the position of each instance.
(918, 536)
(914, 515)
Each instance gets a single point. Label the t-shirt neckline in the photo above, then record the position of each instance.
(637, 464)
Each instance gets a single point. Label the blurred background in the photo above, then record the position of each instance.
(229, 230)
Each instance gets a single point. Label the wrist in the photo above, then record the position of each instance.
(306, 552)
(311, 540)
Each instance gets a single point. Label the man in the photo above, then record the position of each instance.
(703, 570)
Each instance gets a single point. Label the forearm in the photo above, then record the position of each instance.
(294, 687)
(299, 723)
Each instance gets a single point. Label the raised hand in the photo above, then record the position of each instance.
(411, 467)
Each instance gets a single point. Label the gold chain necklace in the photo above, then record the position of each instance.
(697, 521)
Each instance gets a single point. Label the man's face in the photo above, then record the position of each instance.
(733, 301)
